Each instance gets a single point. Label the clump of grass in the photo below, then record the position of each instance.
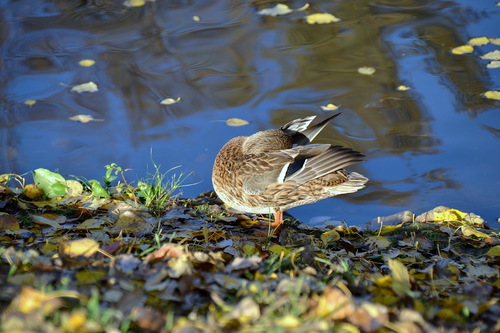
(158, 190)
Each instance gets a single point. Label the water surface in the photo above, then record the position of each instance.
(436, 144)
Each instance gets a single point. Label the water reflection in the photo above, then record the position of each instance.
(434, 144)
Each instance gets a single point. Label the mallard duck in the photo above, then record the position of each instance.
(277, 169)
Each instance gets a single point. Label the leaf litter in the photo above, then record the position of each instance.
(108, 264)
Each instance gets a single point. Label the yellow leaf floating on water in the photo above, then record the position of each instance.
(403, 88)
(235, 122)
(196, 18)
(329, 107)
(494, 41)
(492, 94)
(86, 62)
(463, 49)
(170, 101)
(365, 70)
(478, 41)
(494, 64)
(84, 118)
(30, 102)
(321, 18)
(279, 9)
(80, 247)
(493, 55)
(85, 87)
(134, 3)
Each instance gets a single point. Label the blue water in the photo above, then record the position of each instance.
(436, 144)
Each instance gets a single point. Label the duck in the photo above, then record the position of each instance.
(274, 170)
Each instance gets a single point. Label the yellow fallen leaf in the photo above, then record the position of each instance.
(83, 118)
(321, 18)
(400, 277)
(288, 321)
(279, 9)
(134, 3)
(86, 62)
(478, 41)
(449, 215)
(329, 107)
(494, 251)
(85, 87)
(196, 18)
(463, 49)
(493, 55)
(49, 219)
(494, 41)
(235, 122)
(494, 64)
(492, 94)
(32, 192)
(30, 102)
(170, 101)
(80, 247)
(330, 236)
(365, 70)
(469, 231)
(403, 88)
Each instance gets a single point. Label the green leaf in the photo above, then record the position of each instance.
(97, 189)
(51, 183)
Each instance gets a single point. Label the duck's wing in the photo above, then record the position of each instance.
(300, 131)
(260, 171)
(333, 159)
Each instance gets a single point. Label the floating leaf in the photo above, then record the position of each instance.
(478, 41)
(494, 64)
(329, 107)
(235, 122)
(365, 70)
(30, 102)
(52, 184)
(86, 62)
(492, 94)
(85, 87)
(196, 18)
(83, 118)
(494, 41)
(493, 55)
(321, 18)
(134, 3)
(463, 49)
(279, 9)
(403, 88)
(170, 101)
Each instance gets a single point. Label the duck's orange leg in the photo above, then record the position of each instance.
(278, 219)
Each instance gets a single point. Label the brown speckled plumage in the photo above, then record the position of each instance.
(274, 170)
